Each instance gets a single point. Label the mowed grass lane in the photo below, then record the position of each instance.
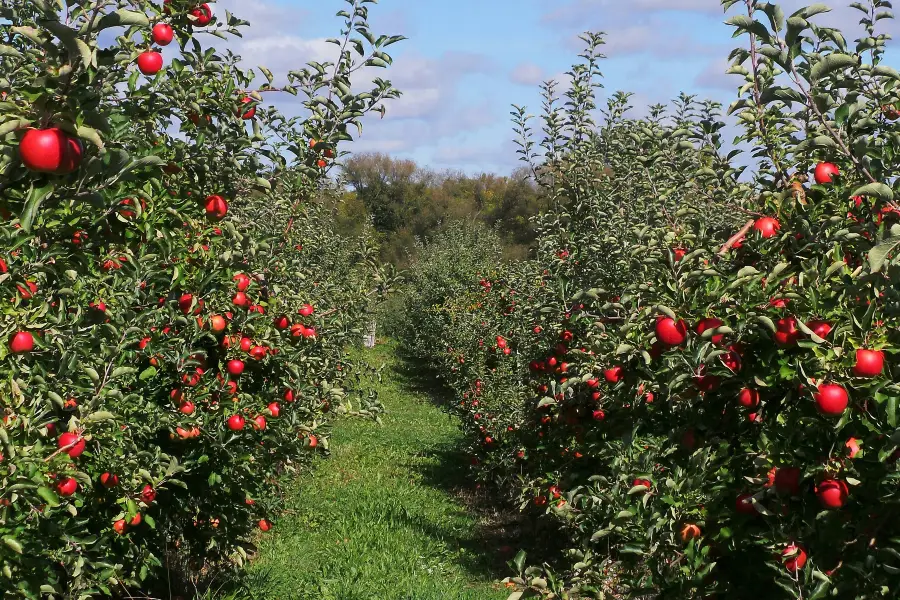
(378, 519)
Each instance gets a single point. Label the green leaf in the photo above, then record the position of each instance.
(880, 190)
(830, 64)
(90, 134)
(33, 203)
(48, 495)
(13, 544)
(879, 253)
(121, 18)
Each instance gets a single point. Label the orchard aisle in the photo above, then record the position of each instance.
(378, 518)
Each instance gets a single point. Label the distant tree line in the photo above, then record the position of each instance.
(406, 202)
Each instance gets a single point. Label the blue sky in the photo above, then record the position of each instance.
(467, 61)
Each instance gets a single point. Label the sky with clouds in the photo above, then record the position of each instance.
(467, 61)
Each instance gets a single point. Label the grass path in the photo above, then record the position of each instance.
(380, 518)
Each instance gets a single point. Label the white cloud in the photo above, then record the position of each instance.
(527, 73)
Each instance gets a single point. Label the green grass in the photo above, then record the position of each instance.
(381, 518)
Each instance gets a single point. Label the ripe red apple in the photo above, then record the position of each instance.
(185, 302)
(187, 408)
(235, 422)
(710, 323)
(832, 493)
(50, 150)
(217, 323)
(598, 415)
(644, 482)
(748, 398)
(202, 14)
(744, 505)
(787, 332)
(120, 526)
(274, 409)
(767, 226)
(869, 363)
(787, 480)
(235, 367)
(259, 422)
(216, 207)
(820, 328)
(670, 332)
(282, 322)
(75, 440)
(679, 253)
(825, 172)
(135, 520)
(162, 34)
(251, 112)
(243, 281)
(265, 525)
(793, 557)
(288, 395)
(246, 344)
(109, 480)
(240, 299)
(148, 494)
(614, 374)
(832, 399)
(313, 441)
(21, 343)
(150, 62)
(309, 332)
(66, 486)
(306, 310)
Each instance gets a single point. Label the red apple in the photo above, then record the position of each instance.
(288, 395)
(282, 322)
(73, 439)
(217, 323)
(670, 332)
(216, 207)
(869, 363)
(235, 422)
(832, 399)
(767, 226)
(202, 14)
(187, 408)
(820, 328)
(185, 302)
(787, 332)
(306, 310)
(787, 480)
(274, 409)
(265, 525)
(614, 374)
(251, 112)
(235, 367)
(162, 34)
(710, 323)
(109, 480)
(793, 557)
(240, 299)
(66, 486)
(120, 526)
(259, 422)
(150, 62)
(644, 482)
(825, 172)
(748, 398)
(744, 505)
(50, 150)
(21, 343)
(148, 494)
(243, 281)
(832, 493)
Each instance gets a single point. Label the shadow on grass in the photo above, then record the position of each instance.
(502, 529)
